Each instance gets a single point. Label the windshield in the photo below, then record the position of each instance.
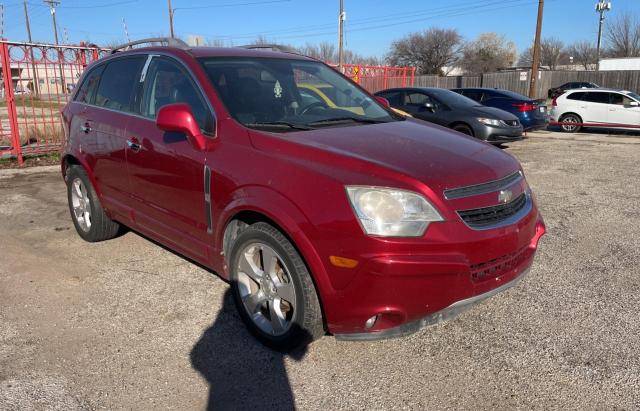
(290, 95)
(452, 99)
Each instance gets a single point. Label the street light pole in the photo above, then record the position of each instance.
(601, 7)
(171, 19)
(341, 36)
(536, 52)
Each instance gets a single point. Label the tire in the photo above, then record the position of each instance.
(570, 118)
(281, 309)
(464, 129)
(87, 214)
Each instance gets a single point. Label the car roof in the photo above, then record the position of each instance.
(599, 90)
(198, 52)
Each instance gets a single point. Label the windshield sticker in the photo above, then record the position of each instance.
(277, 90)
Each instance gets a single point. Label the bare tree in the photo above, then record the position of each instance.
(551, 54)
(487, 53)
(324, 51)
(623, 37)
(584, 54)
(429, 51)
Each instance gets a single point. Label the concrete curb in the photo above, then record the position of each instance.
(29, 170)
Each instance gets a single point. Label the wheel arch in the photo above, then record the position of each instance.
(69, 160)
(462, 123)
(245, 217)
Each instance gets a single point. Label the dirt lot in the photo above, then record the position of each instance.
(126, 324)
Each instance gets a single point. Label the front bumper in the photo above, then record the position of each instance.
(448, 313)
(493, 134)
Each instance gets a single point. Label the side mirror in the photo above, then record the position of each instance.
(179, 118)
(634, 104)
(383, 101)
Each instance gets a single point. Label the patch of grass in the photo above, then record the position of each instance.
(31, 101)
(46, 159)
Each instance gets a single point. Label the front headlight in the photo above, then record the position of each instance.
(489, 121)
(390, 212)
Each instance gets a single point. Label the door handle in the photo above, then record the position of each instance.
(86, 128)
(135, 147)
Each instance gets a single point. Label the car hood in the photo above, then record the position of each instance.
(492, 112)
(434, 155)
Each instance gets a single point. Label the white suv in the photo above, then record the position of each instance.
(597, 108)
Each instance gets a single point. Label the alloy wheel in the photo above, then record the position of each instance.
(81, 204)
(266, 289)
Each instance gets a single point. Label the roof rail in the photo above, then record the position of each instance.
(166, 41)
(275, 47)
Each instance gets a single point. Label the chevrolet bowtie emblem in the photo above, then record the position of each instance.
(505, 196)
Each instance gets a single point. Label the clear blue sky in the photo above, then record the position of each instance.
(371, 24)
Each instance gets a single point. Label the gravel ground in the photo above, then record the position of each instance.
(126, 324)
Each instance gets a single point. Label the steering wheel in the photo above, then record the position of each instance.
(312, 106)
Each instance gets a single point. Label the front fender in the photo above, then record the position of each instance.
(290, 219)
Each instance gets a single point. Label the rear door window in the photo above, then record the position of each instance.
(87, 92)
(602, 98)
(473, 95)
(394, 97)
(118, 84)
(168, 83)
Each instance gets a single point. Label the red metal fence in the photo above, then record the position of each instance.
(37, 80)
(376, 78)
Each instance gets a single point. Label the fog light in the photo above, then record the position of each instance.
(370, 322)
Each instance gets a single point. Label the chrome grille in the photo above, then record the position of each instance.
(484, 188)
(490, 217)
(511, 123)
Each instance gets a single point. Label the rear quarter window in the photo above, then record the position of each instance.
(576, 96)
(87, 91)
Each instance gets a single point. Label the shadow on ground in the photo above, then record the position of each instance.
(240, 371)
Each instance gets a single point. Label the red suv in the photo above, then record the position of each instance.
(343, 218)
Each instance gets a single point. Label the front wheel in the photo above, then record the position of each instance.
(464, 129)
(273, 289)
(570, 123)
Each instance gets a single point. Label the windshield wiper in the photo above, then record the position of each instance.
(278, 124)
(345, 120)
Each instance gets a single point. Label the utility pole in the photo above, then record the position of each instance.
(601, 7)
(1, 21)
(52, 7)
(171, 19)
(36, 86)
(536, 52)
(341, 20)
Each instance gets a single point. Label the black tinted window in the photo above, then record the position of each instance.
(596, 97)
(576, 96)
(473, 95)
(168, 83)
(394, 97)
(87, 91)
(119, 80)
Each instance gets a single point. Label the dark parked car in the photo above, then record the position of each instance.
(557, 91)
(531, 113)
(449, 109)
(347, 219)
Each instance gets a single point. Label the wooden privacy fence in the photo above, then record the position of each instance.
(518, 81)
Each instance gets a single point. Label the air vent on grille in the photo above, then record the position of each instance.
(487, 217)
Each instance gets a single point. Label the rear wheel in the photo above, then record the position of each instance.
(464, 129)
(273, 289)
(571, 123)
(89, 218)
